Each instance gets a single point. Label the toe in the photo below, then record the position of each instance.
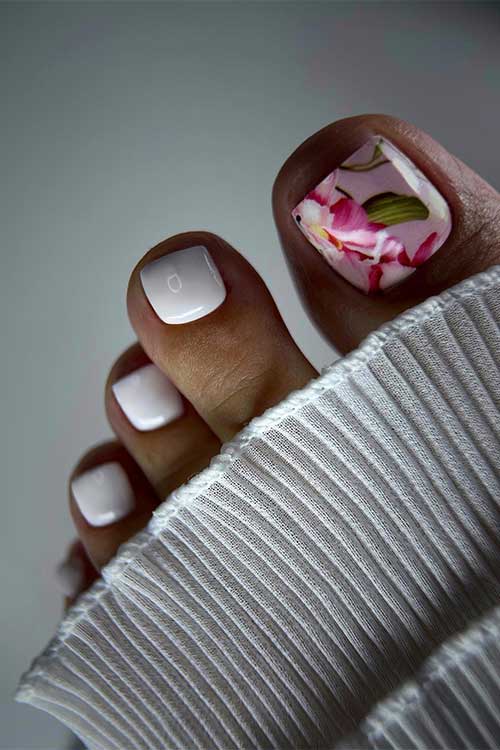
(206, 319)
(160, 429)
(374, 217)
(75, 573)
(110, 501)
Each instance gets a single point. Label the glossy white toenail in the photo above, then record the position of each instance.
(184, 285)
(70, 576)
(148, 398)
(103, 494)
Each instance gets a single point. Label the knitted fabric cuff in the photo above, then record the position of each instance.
(314, 566)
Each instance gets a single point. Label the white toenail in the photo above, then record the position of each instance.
(184, 285)
(148, 398)
(103, 494)
(70, 576)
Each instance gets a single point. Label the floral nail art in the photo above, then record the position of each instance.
(376, 218)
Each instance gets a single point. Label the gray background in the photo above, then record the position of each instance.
(124, 123)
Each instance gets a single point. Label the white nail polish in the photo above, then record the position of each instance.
(148, 398)
(184, 285)
(103, 494)
(69, 576)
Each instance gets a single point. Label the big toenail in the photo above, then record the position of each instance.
(148, 398)
(376, 218)
(103, 494)
(184, 285)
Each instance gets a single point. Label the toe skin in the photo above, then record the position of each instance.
(167, 455)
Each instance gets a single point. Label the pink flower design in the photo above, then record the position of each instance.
(349, 225)
(424, 252)
(324, 193)
(361, 249)
(376, 218)
(374, 276)
(344, 224)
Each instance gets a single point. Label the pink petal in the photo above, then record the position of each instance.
(350, 224)
(358, 237)
(425, 250)
(347, 214)
(403, 258)
(323, 192)
(423, 253)
(355, 254)
(374, 276)
(344, 240)
(391, 250)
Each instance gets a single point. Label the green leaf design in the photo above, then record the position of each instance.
(377, 159)
(389, 208)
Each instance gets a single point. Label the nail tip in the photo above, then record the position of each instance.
(106, 519)
(69, 576)
(152, 425)
(104, 485)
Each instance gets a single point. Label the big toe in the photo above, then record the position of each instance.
(374, 217)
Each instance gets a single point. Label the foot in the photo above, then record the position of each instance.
(363, 242)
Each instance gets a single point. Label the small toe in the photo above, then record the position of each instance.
(159, 427)
(110, 500)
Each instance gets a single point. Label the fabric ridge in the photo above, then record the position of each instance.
(299, 589)
(459, 685)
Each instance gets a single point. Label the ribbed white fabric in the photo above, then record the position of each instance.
(453, 702)
(291, 594)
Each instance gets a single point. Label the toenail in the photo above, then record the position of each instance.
(103, 494)
(376, 218)
(148, 398)
(70, 577)
(184, 285)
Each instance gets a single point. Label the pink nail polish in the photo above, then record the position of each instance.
(376, 218)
